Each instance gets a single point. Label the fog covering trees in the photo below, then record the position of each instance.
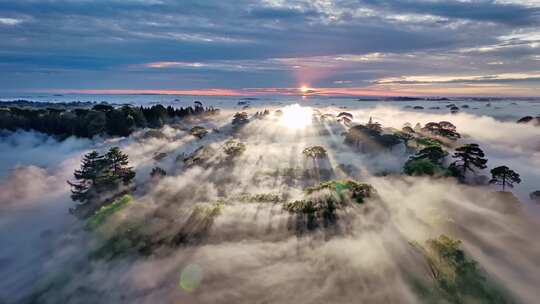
(240, 218)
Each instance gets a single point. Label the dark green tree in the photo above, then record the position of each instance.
(99, 178)
(117, 167)
(120, 123)
(468, 157)
(422, 166)
(435, 154)
(89, 178)
(504, 176)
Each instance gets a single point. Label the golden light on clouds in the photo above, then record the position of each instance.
(296, 117)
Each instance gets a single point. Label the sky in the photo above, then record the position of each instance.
(244, 47)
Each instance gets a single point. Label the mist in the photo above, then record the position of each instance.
(248, 251)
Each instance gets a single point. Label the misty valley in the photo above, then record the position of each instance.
(294, 200)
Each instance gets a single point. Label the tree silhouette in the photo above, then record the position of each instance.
(374, 125)
(117, 163)
(345, 117)
(504, 176)
(158, 172)
(443, 129)
(315, 153)
(468, 157)
(89, 178)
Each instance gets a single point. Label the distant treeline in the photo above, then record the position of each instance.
(23, 103)
(100, 119)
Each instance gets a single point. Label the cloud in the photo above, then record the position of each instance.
(485, 10)
(252, 251)
(10, 21)
(500, 78)
(241, 44)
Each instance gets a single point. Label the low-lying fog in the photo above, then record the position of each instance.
(251, 252)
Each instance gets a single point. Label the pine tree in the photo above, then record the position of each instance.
(469, 157)
(117, 167)
(98, 179)
(88, 178)
(504, 176)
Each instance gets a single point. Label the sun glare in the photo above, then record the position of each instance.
(296, 117)
(304, 89)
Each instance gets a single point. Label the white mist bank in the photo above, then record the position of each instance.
(252, 252)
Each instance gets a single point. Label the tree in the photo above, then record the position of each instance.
(118, 170)
(374, 125)
(89, 178)
(99, 176)
(198, 131)
(435, 154)
(234, 148)
(345, 117)
(120, 123)
(443, 129)
(240, 118)
(315, 153)
(468, 157)
(388, 140)
(360, 133)
(419, 167)
(345, 114)
(158, 172)
(408, 129)
(504, 176)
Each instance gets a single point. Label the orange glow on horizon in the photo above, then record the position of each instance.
(306, 91)
(302, 91)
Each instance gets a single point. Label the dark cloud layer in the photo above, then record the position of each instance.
(68, 44)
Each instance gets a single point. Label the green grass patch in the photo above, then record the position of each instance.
(106, 211)
(455, 277)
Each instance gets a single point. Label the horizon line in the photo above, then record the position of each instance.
(248, 92)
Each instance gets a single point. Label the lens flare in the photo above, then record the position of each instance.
(296, 117)
(190, 277)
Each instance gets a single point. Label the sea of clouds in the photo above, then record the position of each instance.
(252, 253)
